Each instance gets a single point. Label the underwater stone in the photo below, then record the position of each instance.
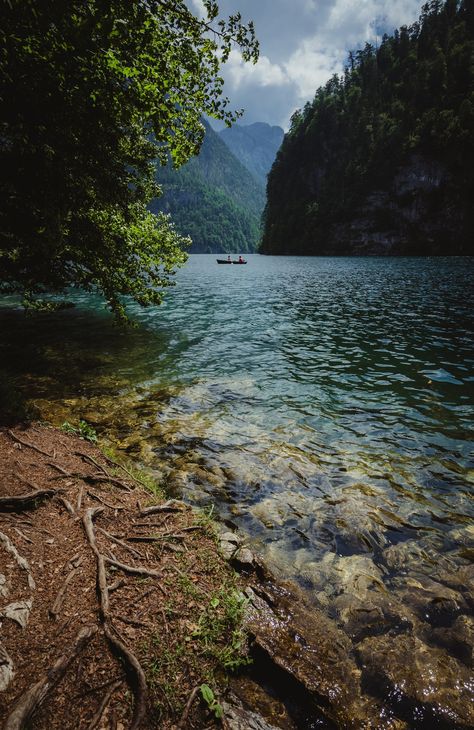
(424, 683)
(237, 718)
(307, 646)
(458, 639)
(371, 618)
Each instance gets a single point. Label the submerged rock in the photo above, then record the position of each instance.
(423, 685)
(307, 646)
(238, 718)
(458, 639)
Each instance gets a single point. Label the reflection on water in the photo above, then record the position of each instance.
(325, 407)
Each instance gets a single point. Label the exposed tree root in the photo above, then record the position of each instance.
(103, 501)
(90, 459)
(32, 699)
(59, 469)
(134, 570)
(130, 549)
(27, 443)
(135, 674)
(20, 502)
(21, 561)
(101, 479)
(170, 506)
(105, 701)
(79, 498)
(68, 506)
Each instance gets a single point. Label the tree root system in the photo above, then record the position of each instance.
(94, 632)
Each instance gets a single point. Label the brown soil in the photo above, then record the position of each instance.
(103, 646)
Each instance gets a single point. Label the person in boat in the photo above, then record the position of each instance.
(228, 257)
(240, 259)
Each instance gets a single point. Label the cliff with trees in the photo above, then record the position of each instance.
(381, 161)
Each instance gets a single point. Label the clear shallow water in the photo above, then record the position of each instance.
(325, 406)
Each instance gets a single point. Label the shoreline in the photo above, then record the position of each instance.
(305, 668)
(165, 621)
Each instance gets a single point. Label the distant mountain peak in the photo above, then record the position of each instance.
(255, 145)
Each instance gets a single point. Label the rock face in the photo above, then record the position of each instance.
(420, 210)
(255, 145)
(416, 213)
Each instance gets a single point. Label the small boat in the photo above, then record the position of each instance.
(226, 261)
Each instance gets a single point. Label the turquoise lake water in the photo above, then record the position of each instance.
(324, 406)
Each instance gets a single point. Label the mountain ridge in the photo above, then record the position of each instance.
(213, 198)
(255, 145)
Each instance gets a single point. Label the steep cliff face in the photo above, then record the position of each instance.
(420, 212)
(382, 160)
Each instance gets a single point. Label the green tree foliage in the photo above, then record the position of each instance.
(92, 93)
(410, 98)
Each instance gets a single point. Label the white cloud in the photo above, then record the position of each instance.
(311, 66)
(199, 8)
(303, 43)
(263, 73)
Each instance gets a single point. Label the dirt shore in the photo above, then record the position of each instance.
(115, 604)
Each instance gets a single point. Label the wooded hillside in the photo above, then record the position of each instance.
(381, 161)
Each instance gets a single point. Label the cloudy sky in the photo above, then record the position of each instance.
(302, 43)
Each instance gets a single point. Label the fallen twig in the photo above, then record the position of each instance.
(143, 595)
(130, 621)
(184, 716)
(59, 600)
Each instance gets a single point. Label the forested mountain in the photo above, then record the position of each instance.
(214, 199)
(381, 161)
(255, 145)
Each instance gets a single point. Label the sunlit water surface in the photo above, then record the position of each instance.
(323, 405)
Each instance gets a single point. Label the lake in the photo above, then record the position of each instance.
(324, 407)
